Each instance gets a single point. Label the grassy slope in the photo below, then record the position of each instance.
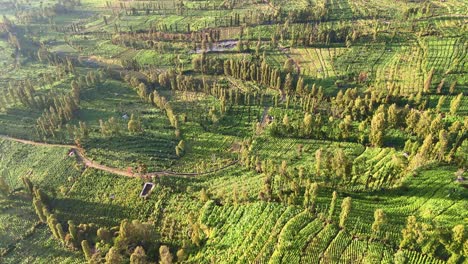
(51, 169)
(431, 195)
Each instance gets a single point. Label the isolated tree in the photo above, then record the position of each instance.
(52, 223)
(460, 155)
(142, 91)
(289, 66)
(39, 208)
(104, 234)
(76, 91)
(427, 83)
(283, 167)
(341, 165)
(345, 210)
(331, 210)
(60, 232)
(125, 234)
(300, 86)
(204, 195)
(440, 86)
(306, 202)
(28, 184)
(399, 257)
(412, 120)
(440, 103)
(181, 255)
(310, 196)
(165, 256)
(257, 47)
(345, 126)
(72, 231)
(436, 124)
(379, 220)
(423, 126)
(441, 147)
(455, 104)
(134, 125)
(452, 87)
(83, 131)
(286, 120)
(410, 233)
(377, 130)
(288, 83)
(458, 238)
(138, 256)
(41, 195)
(392, 116)
(278, 85)
(113, 256)
(180, 148)
(318, 161)
(426, 148)
(86, 250)
(267, 193)
(308, 124)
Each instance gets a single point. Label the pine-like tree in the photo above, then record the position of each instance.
(181, 255)
(440, 103)
(180, 148)
(313, 196)
(377, 130)
(134, 125)
(289, 66)
(427, 83)
(318, 161)
(113, 256)
(138, 256)
(60, 232)
(455, 104)
(104, 234)
(331, 210)
(392, 116)
(39, 208)
(410, 234)
(345, 210)
(204, 196)
(341, 165)
(165, 256)
(379, 220)
(288, 83)
(87, 250)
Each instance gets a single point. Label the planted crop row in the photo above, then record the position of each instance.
(313, 253)
(292, 231)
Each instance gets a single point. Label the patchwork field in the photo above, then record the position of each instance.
(275, 131)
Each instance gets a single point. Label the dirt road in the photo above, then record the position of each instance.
(81, 158)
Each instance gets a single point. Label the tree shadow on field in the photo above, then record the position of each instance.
(419, 193)
(38, 245)
(179, 185)
(140, 144)
(107, 214)
(440, 191)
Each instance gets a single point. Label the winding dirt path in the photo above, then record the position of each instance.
(81, 158)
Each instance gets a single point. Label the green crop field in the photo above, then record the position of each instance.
(233, 131)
